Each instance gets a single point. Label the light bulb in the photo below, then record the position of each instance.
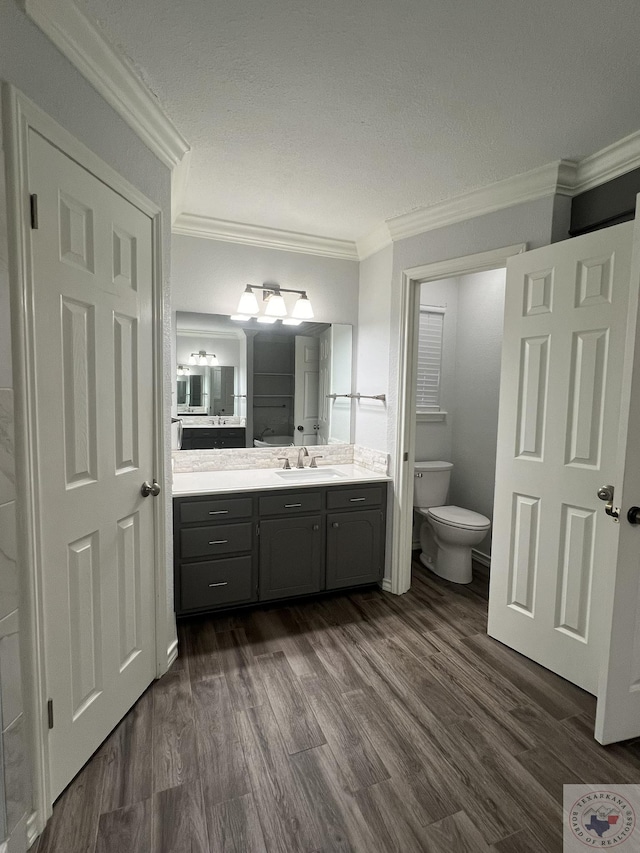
(275, 306)
(248, 303)
(302, 310)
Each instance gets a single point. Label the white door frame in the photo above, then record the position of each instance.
(405, 449)
(19, 116)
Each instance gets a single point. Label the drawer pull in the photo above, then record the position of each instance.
(355, 500)
(219, 512)
(219, 542)
(291, 506)
(220, 583)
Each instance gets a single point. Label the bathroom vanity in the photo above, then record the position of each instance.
(266, 535)
(212, 437)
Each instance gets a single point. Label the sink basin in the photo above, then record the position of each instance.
(304, 474)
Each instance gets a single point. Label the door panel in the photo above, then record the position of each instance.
(305, 405)
(92, 282)
(566, 314)
(291, 557)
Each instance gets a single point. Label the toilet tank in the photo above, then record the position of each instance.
(431, 483)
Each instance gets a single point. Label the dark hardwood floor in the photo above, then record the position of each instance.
(362, 722)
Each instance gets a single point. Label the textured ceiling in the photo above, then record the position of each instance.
(327, 117)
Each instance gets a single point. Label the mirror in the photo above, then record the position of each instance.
(274, 379)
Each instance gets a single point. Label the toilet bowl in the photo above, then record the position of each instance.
(447, 533)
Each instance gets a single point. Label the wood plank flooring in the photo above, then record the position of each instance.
(364, 722)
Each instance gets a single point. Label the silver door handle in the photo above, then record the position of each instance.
(150, 489)
(605, 493)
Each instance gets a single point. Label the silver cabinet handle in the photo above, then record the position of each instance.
(291, 506)
(221, 583)
(219, 512)
(355, 500)
(219, 542)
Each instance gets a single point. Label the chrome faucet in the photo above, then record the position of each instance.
(302, 452)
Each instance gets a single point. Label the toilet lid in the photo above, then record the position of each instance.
(456, 516)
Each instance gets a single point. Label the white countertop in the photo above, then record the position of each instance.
(187, 425)
(253, 479)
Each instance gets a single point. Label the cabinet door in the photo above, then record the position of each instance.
(291, 557)
(355, 548)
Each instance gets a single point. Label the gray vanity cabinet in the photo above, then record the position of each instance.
(354, 548)
(276, 544)
(291, 557)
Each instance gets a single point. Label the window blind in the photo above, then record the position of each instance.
(429, 360)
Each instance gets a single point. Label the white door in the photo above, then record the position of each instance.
(93, 365)
(324, 387)
(565, 353)
(305, 403)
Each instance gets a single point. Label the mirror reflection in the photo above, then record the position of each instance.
(250, 384)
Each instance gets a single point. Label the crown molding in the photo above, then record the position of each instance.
(179, 181)
(86, 48)
(374, 241)
(192, 225)
(608, 163)
(553, 178)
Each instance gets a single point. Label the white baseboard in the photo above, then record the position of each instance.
(172, 653)
(32, 828)
(479, 557)
(386, 584)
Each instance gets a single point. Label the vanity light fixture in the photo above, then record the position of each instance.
(275, 307)
(203, 358)
(183, 370)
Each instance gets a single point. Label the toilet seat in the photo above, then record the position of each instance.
(456, 516)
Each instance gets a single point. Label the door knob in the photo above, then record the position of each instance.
(150, 489)
(605, 493)
(300, 428)
(633, 516)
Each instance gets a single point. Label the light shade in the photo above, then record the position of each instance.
(240, 318)
(302, 310)
(192, 358)
(202, 359)
(289, 321)
(213, 361)
(275, 306)
(248, 303)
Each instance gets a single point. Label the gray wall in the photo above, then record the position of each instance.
(31, 63)
(477, 387)
(209, 276)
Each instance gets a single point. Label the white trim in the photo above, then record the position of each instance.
(551, 179)
(179, 182)
(386, 584)
(112, 77)
(608, 163)
(19, 115)
(479, 557)
(192, 225)
(374, 241)
(402, 535)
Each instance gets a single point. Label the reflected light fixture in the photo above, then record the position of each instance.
(203, 358)
(183, 370)
(275, 307)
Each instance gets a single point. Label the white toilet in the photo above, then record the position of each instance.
(447, 533)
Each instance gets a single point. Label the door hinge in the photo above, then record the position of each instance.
(33, 204)
(50, 713)
(406, 457)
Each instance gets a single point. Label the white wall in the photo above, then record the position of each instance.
(434, 438)
(31, 63)
(477, 388)
(372, 348)
(209, 276)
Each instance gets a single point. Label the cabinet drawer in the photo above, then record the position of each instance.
(291, 504)
(218, 539)
(215, 583)
(354, 498)
(218, 510)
